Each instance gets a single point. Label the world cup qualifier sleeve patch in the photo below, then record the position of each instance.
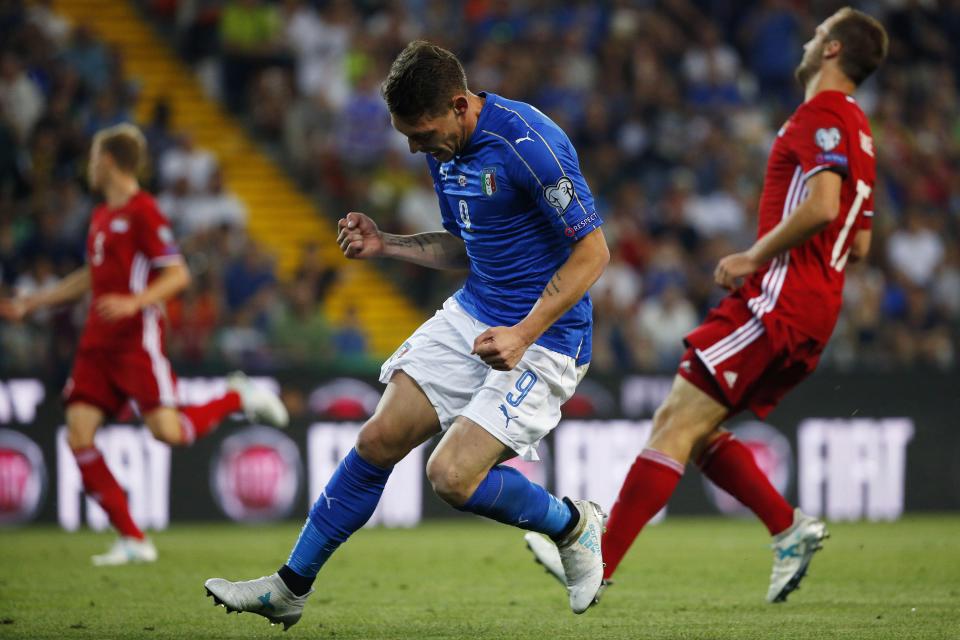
(550, 174)
(560, 195)
(827, 138)
(820, 141)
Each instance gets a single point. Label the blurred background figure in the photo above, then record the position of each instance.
(673, 106)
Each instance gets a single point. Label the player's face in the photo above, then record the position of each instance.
(95, 168)
(813, 53)
(441, 136)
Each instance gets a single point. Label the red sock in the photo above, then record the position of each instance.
(100, 485)
(731, 466)
(199, 420)
(647, 488)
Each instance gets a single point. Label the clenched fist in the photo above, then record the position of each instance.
(731, 269)
(359, 236)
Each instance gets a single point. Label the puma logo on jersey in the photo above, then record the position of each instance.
(525, 138)
(506, 414)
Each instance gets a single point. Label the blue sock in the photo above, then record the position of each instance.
(506, 496)
(347, 502)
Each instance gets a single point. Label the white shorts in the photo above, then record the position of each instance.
(517, 407)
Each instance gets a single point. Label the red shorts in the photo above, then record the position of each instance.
(107, 379)
(744, 363)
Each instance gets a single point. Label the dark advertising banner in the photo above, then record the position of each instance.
(847, 447)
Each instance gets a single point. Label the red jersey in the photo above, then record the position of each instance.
(124, 246)
(804, 287)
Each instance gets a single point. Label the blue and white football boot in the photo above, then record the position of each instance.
(267, 596)
(792, 551)
(576, 562)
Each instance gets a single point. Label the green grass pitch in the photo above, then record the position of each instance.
(686, 578)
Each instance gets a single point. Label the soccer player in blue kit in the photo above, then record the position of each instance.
(492, 367)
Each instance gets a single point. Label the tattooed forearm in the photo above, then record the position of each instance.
(553, 287)
(436, 249)
(406, 242)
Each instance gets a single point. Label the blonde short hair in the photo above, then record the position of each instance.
(125, 144)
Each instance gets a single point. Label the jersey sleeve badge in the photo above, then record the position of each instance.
(559, 195)
(165, 235)
(827, 139)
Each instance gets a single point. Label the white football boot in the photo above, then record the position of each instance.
(580, 557)
(259, 403)
(126, 551)
(547, 555)
(267, 596)
(792, 551)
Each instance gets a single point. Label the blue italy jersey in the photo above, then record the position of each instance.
(517, 198)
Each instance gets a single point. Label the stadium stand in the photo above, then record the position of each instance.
(672, 106)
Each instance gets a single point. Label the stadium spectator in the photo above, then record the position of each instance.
(320, 43)
(198, 213)
(54, 27)
(194, 318)
(250, 37)
(672, 123)
(88, 58)
(300, 333)
(314, 273)
(250, 290)
(159, 134)
(186, 161)
(664, 321)
(915, 250)
(21, 101)
(348, 338)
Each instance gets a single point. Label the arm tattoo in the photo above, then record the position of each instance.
(553, 287)
(407, 242)
(434, 247)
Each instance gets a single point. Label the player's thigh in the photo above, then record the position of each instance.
(438, 358)
(521, 406)
(90, 383)
(164, 424)
(687, 413)
(404, 418)
(463, 457)
(145, 375)
(83, 420)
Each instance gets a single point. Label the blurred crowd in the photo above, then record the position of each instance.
(672, 106)
(59, 84)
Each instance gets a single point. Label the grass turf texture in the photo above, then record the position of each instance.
(686, 578)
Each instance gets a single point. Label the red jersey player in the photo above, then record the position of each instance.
(768, 334)
(133, 266)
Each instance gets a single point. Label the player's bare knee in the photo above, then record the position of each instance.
(378, 444)
(166, 436)
(82, 424)
(669, 417)
(677, 427)
(451, 485)
(166, 426)
(78, 438)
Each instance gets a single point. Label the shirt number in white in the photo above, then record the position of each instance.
(465, 215)
(838, 261)
(97, 258)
